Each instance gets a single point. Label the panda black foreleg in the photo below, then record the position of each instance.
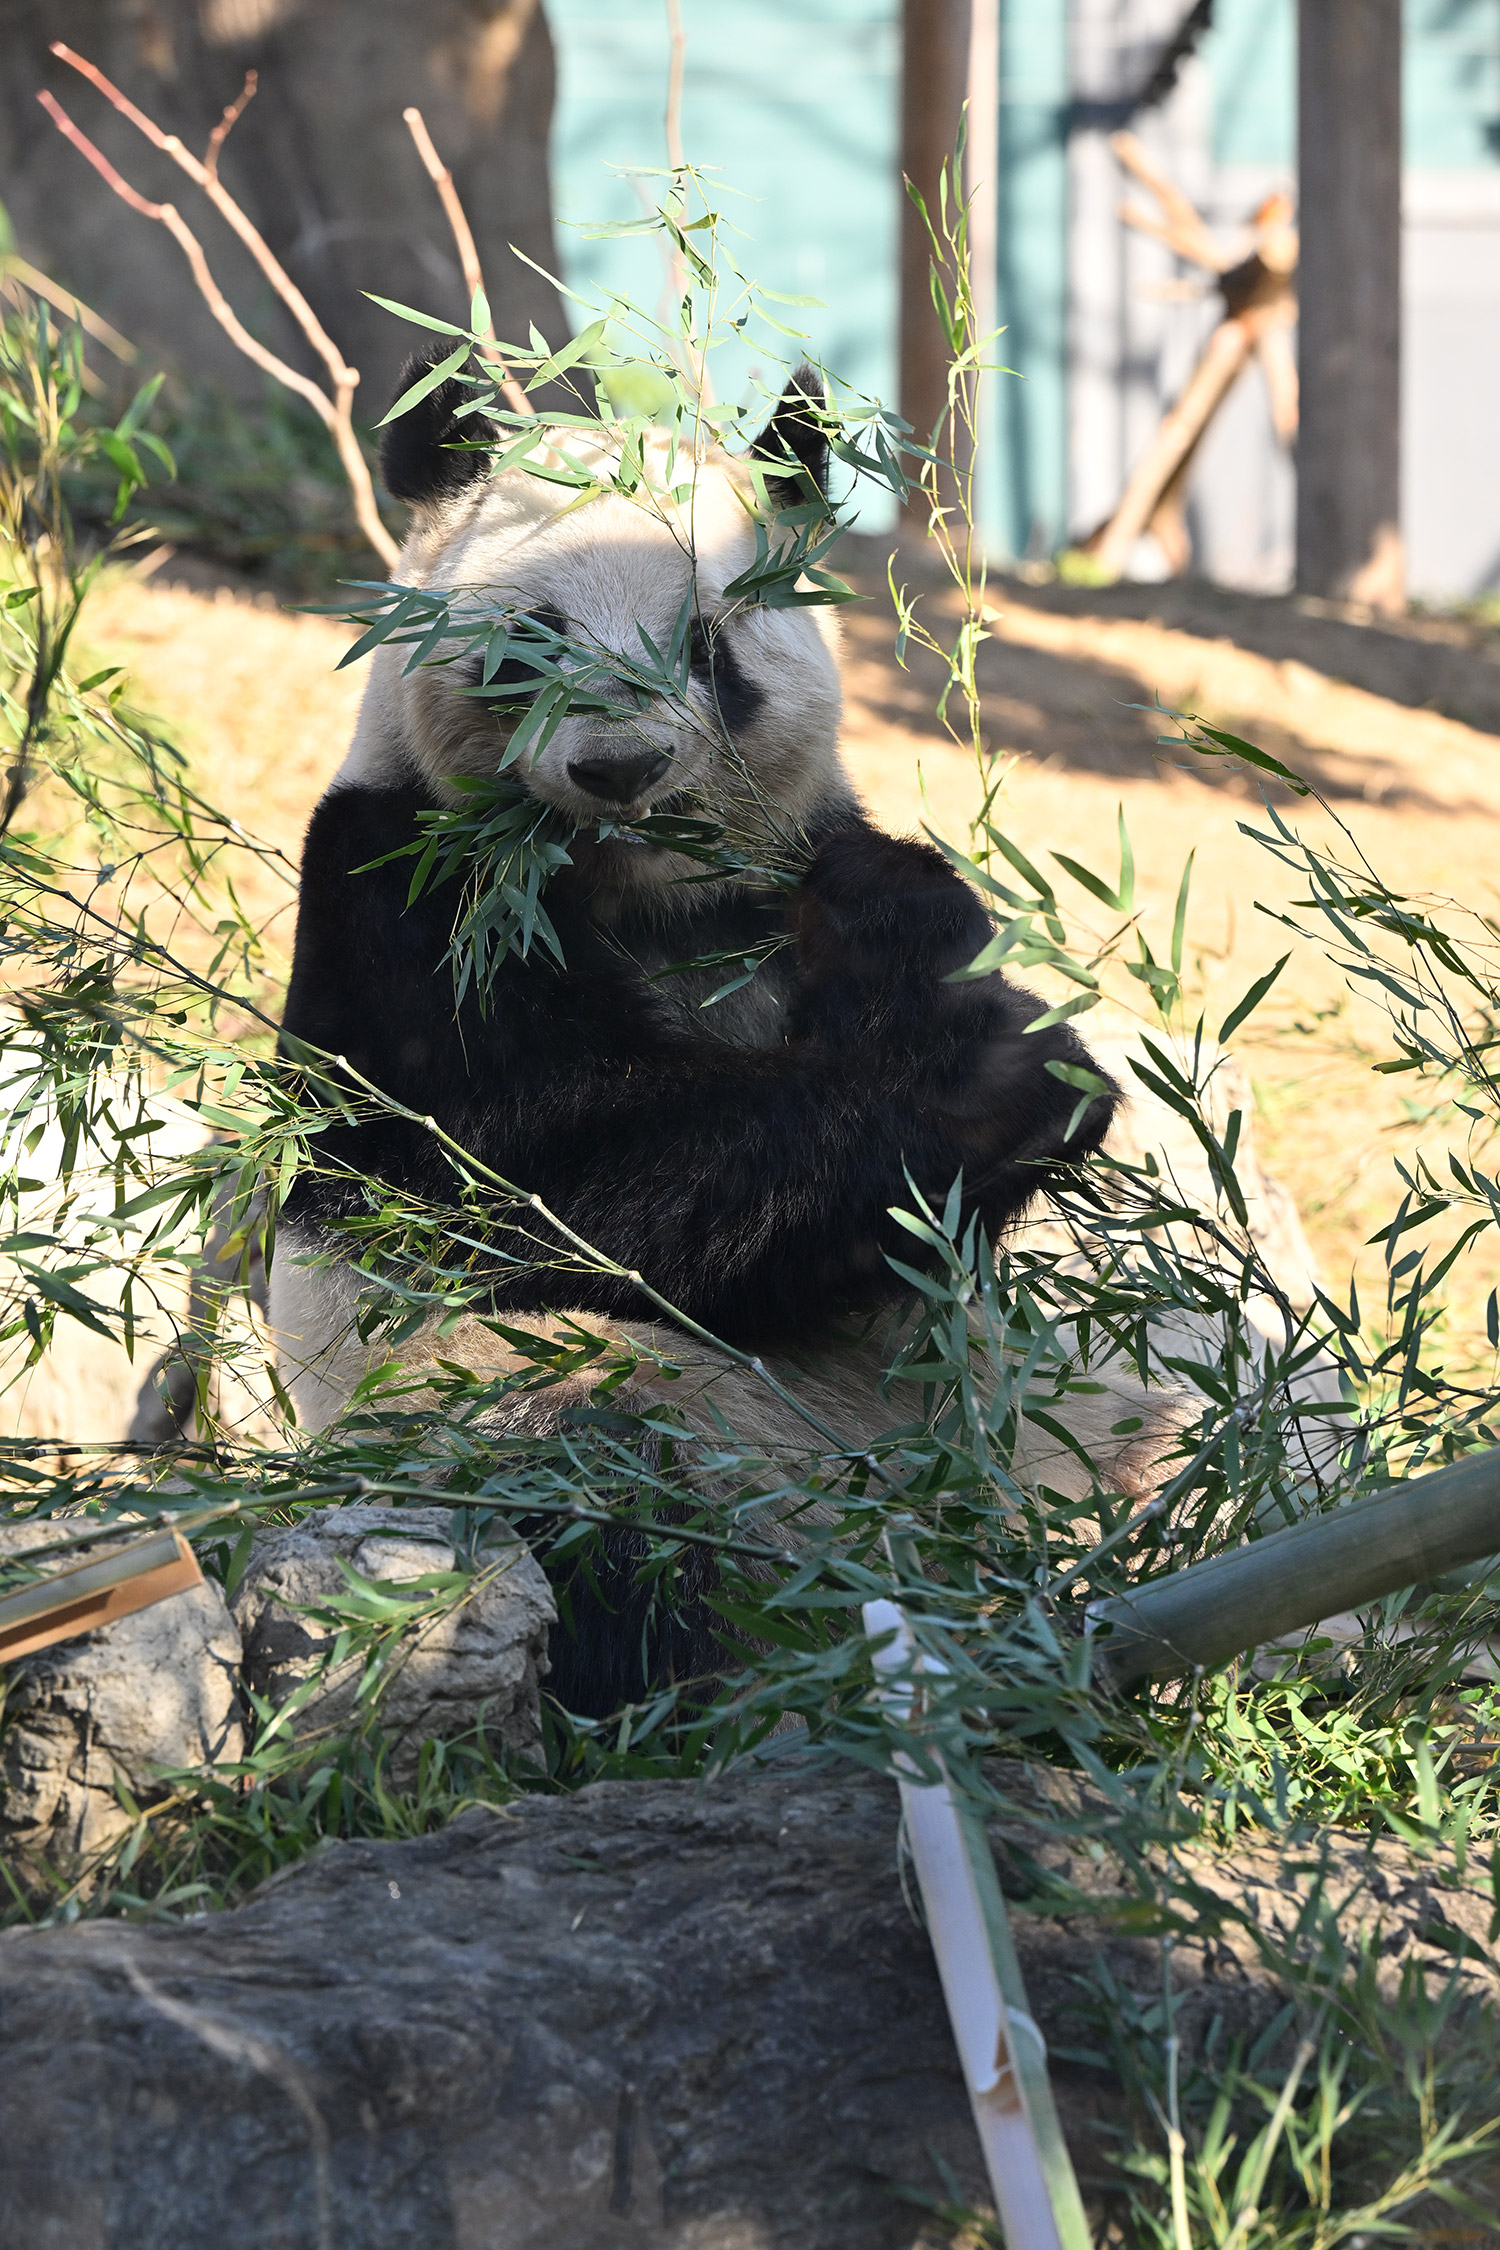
(885, 925)
(621, 1635)
(754, 1189)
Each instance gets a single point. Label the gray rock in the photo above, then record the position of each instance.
(484, 1658)
(645, 2015)
(158, 1689)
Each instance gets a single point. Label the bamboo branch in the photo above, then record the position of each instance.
(1234, 1602)
(468, 256)
(337, 413)
(93, 324)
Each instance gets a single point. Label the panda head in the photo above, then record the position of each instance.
(760, 716)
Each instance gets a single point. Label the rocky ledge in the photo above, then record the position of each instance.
(647, 2014)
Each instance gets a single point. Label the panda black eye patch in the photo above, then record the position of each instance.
(736, 697)
(516, 676)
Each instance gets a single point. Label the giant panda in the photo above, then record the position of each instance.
(743, 1157)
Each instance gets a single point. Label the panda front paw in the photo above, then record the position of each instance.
(1012, 1108)
(871, 906)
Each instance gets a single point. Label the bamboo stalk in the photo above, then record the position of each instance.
(1219, 1609)
(1000, 2045)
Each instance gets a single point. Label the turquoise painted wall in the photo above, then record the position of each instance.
(795, 103)
(1026, 496)
(1452, 91)
(1251, 55)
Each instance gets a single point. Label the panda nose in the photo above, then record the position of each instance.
(618, 779)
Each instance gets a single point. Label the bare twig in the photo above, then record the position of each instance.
(228, 121)
(167, 215)
(336, 413)
(694, 362)
(224, 203)
(468, 257)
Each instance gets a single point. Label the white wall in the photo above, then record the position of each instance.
(1450, 427)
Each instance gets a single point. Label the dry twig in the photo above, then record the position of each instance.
(694, 362)
(335, 413)
(468, 257)
(228, 121)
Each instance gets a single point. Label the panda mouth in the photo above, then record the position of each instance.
(621, 828)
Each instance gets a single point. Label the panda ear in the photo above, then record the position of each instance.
(419, 456)
(795, 443)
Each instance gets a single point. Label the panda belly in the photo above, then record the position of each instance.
(788, 1411)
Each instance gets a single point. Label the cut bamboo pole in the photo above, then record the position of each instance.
(91, 1594)
(1000, 2046)
(1224, 358)
(1219, 1609)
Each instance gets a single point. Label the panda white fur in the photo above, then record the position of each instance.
(742, 1157)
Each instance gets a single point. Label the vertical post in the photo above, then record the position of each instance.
(982, 189)
(934, 82)
(1349, 289)
(1030, 424)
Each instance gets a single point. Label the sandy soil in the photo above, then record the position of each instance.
(1399, 729)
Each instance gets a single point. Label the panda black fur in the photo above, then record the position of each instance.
(743, 1157)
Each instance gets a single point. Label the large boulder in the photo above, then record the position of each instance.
(155, 1691)
(481, 1660)
(644, 2015)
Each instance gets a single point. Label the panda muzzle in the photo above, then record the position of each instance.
(617, 777)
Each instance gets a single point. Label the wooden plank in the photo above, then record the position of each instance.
(90, 1594)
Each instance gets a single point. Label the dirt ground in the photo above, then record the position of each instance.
(1399, 728)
